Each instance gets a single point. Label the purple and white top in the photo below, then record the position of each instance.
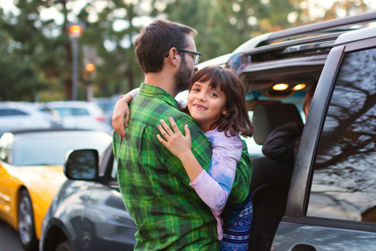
(214, 186)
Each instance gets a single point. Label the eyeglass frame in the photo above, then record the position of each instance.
(196, 54)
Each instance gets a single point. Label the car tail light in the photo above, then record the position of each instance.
(101, 118)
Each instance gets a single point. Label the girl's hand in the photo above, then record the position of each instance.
(178, 144)
(120, 116)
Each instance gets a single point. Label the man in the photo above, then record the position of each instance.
(155, 188)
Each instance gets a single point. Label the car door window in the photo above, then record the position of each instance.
(12, 112)
(344, 180)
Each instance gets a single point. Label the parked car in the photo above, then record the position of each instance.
(21, 115)
(88, 213)
(52, 115)
(326, 200)
(31, 172)
(80, 114)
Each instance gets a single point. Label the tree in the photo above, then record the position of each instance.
(223, 25)
(19, 78)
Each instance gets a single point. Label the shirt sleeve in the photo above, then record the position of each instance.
(214, 186)
(240, 188)
(134, 92)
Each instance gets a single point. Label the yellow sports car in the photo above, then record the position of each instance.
(31, 172)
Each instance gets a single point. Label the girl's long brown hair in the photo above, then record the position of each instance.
(236, 119)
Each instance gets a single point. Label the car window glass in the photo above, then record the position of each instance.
(79, 112)
(344, 180)
(63, 111)
(12, 112)
(51, 149)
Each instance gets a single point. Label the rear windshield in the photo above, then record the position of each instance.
(51, 148)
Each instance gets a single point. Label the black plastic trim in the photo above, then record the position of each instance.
(322, 26)
(302, 173)
(335, 223)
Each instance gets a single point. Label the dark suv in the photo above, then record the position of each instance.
(327, 199)
(324, 200)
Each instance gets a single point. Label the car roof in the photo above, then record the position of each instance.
(334, 26)
(69, 103)
(41, 130)
(356, 35)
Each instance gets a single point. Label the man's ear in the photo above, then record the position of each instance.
(173, 56)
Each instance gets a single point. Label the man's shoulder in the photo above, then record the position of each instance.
(153, 110)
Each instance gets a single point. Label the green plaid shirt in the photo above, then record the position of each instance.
(154, 185)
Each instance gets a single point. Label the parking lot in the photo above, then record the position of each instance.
(9, 238)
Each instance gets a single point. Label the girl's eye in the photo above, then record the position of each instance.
(195, 89)
(213, 94)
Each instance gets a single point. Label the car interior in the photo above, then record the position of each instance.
(271, 179)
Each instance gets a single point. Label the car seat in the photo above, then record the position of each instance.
(270, 179)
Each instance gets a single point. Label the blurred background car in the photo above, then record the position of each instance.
(80, 114)
(22, 115)
(107, 105)
(31, 172)
(52, 115)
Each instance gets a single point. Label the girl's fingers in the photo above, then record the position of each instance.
(173, 125)
(163, 132)
(164, 142)
(166, 127)
(187, 131)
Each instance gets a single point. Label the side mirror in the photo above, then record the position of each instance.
(82, 165)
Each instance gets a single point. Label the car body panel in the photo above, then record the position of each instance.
(42, 182)
(322, 237)
(80, 114)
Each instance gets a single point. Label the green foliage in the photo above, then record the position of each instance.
(36, 53)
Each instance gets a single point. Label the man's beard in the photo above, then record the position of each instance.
(183, 77)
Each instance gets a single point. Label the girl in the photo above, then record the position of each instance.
(216, 100)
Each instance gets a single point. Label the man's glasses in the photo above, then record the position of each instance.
(196, 55)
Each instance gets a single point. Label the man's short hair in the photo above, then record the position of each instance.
(155, 41)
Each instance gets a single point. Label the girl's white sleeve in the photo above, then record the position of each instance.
(214, 186)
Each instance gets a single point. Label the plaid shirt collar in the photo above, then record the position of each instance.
(157, 92)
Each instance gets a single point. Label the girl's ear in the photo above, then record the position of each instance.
(224, 112)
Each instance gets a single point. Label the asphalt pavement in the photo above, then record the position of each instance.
(9, 239)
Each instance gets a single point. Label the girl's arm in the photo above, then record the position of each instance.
(213, 187)
(120, 116)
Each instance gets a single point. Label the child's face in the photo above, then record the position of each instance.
(205, 104)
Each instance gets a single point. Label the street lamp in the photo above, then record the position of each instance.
(74, 31)
(90, 68)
